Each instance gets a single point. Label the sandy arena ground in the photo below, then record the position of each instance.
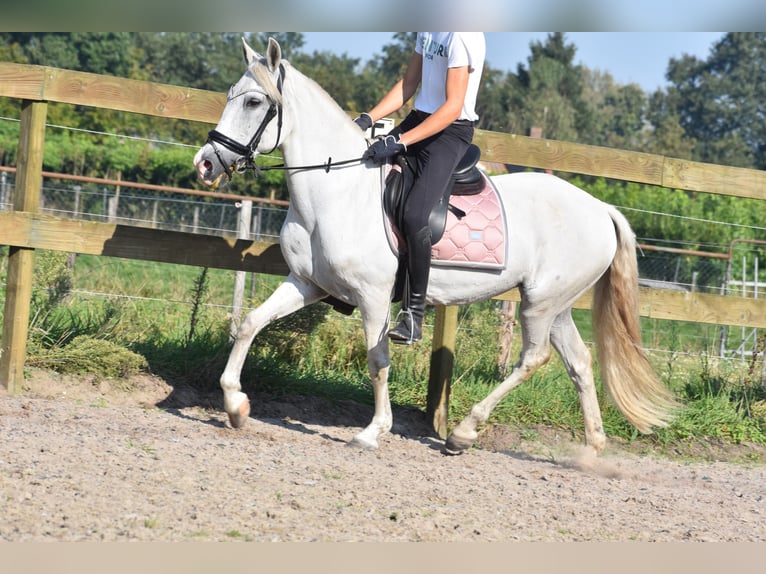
(84, 460)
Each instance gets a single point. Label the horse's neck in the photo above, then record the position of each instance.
(321, 128)
(321, 132)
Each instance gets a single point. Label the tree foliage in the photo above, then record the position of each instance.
(721, 101)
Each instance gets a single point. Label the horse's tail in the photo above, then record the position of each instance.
(625, 371)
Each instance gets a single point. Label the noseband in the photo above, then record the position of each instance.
(247, 151)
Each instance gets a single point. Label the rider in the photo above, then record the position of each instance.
(437, 132)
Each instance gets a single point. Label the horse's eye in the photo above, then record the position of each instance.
(252, 102)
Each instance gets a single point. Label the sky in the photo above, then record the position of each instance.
(630, 57)
(500, 16)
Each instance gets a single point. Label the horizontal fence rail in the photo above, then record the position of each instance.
(32, 231)
(26, 230)
(45, 84)
(169, 208)
(625, 165)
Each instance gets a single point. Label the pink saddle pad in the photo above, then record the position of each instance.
(476, 240)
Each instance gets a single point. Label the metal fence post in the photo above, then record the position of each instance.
(3, 187)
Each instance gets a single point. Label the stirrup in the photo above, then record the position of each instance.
(404, 332)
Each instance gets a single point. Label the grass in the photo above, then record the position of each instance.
(173, 320)
(152, 522)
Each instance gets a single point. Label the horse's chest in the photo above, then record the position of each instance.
(311, 253)
(295, 241)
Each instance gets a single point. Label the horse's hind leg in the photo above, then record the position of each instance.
(535, 352)
(577, 360)
(290, 296)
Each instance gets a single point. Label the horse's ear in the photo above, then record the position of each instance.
(273, 55)
(248, 53)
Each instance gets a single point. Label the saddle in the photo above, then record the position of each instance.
(466, 180)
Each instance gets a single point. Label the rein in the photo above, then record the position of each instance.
(327, 166)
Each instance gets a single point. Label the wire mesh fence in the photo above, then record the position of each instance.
(157, 210)
(681, 272)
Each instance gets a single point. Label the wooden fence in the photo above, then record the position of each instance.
(25, 229)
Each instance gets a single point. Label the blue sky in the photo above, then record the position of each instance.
(640, 57)
(333, 16)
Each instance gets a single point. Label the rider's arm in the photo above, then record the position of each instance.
(448, 112)
(402, 91)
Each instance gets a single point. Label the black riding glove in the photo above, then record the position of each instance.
(384, 148)
(364, 121)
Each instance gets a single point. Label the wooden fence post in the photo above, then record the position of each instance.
(243, 232)
(18, 290)
(442, 362)
(507, 323)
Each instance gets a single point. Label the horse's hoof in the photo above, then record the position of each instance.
(362, 443)
(597, 442)
(240, 416)
(456, 445)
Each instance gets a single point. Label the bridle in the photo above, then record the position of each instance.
(247, 151)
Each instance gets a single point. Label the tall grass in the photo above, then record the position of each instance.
(173, 320)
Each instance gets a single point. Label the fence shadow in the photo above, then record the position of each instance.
(191, 249)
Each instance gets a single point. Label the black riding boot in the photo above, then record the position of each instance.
(410, 327)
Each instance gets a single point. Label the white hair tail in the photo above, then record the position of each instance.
(627, 375)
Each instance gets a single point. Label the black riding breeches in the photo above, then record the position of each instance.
(435, 159)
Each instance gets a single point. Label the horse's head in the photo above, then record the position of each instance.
(251, 121)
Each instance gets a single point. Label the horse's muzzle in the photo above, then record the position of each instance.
(205, 170)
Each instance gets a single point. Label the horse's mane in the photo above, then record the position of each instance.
(261, 74)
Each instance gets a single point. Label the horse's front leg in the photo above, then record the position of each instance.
(287, 298)
(375, 318)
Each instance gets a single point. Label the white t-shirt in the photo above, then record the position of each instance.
(442, 50)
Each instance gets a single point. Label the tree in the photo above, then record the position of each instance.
(721, 101)
(619, 118)
(203, 60)
(96, 52)
(666, 135)
(383, 71)
(52, 49)
(495, 102)
(551, 92)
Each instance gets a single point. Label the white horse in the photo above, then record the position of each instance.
(561, 240)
